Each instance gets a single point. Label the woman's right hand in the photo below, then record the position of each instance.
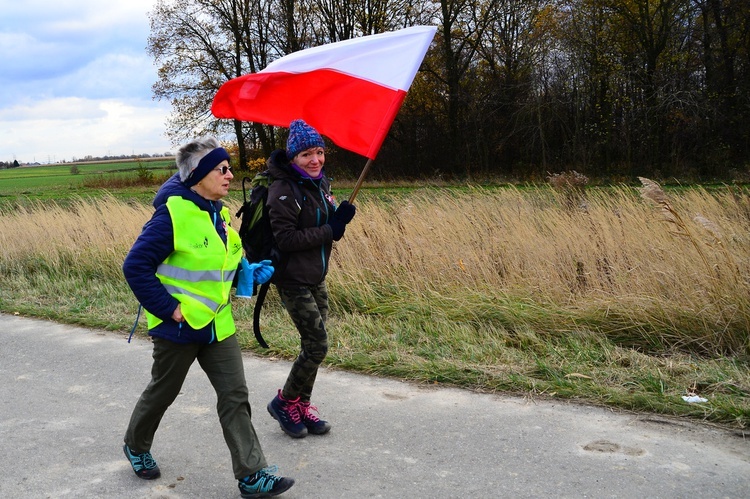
(177, 315)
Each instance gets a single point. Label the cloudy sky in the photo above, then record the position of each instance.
(75, 80)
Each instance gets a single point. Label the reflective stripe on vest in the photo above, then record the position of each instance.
(194, 276)
(200, 270)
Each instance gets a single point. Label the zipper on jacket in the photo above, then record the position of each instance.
(322, 246)
(213, 215)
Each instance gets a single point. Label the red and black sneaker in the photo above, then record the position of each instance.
(288, 415)
(312, 422)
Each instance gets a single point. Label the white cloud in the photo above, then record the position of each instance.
(64, 129)
(68, 108)
(76, 80)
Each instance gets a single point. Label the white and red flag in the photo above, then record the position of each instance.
(350, 91)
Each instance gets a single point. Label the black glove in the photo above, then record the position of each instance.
(337, 228)
(342, 216)
(345, 212)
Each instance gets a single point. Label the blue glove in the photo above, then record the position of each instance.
(261, 271)
(250, 274)
(244, 280)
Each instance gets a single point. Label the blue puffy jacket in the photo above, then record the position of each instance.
(152, 247)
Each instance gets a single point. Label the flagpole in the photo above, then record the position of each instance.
(360, 180)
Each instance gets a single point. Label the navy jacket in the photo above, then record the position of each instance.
(152, 247)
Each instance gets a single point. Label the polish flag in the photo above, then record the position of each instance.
(350, 91)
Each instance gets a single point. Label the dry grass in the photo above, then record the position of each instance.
(678, 273)
(85, 238)
(617, 258)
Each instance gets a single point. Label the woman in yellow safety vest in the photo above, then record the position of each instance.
(181, 269)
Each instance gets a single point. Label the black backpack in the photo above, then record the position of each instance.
(257, 236)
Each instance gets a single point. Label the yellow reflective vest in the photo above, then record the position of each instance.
(200, 270)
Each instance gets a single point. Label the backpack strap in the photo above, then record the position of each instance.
(244, 197)
(256, 313)
(135, 324)
(263, 290)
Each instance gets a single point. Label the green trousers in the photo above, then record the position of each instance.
(222, 363)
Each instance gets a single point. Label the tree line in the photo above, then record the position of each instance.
(9, 164)
(509, 88)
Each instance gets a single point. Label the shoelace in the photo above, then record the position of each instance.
(306, 412)
(265, 479)
(270, 470)
(292, 409)
(148, 461)
(144, 461)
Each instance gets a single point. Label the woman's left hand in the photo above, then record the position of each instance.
(262, 271)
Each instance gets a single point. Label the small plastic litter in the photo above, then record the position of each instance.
(693, 399)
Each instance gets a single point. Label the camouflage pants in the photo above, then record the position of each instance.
(308, 308)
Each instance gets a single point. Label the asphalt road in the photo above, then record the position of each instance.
(66, 394)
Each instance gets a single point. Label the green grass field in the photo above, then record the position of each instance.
(58, 182)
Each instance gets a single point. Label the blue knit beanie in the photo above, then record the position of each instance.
(302, 136)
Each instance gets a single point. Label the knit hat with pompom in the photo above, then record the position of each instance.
(301, 137)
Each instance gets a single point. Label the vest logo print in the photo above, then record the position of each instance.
(200, 244)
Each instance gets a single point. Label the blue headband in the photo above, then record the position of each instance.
(205, 165)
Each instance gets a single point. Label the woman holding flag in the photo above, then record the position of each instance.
(304, 231)
(326, 85)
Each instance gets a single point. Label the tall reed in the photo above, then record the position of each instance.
(613, 265)
(87, 238)
(490, 259)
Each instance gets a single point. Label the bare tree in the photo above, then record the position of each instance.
(511, 86)
(199, 45)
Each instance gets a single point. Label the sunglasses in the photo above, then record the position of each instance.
(223, 169)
